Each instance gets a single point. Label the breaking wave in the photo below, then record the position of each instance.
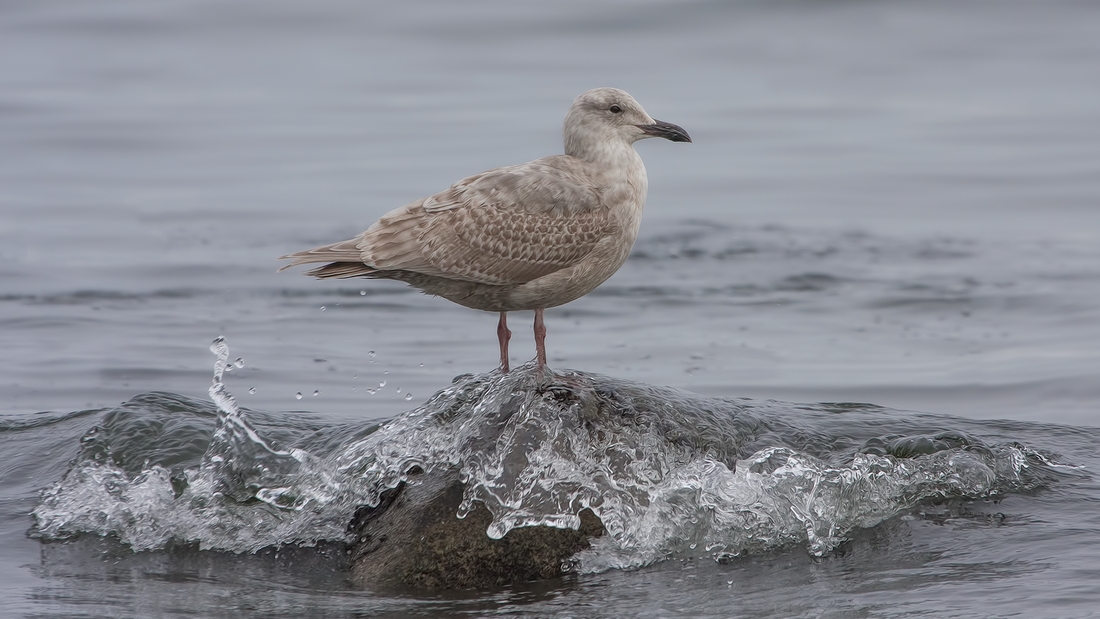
(668, 473)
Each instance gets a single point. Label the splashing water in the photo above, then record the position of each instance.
(667, 472)
(262, 465)
(243, 495)
(663, 470)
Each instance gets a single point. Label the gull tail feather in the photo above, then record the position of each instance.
(342, 270)
(344, 251)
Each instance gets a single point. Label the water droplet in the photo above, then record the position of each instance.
(399, 390)
(252, 390)
(239, 362)
(385, 372)
(408, 396)
(362, 293)
(322, 308)
(316, 392)
(421, 365)
(298, 396)
(382, 384)
(229, 368)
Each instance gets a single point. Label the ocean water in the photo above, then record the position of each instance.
(890, 214)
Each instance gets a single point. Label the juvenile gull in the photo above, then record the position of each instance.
(523, 237)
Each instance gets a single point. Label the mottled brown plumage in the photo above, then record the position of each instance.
(524, 237)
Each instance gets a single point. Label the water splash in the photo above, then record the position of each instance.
(244, 494)
(238, 452)
(668, 473)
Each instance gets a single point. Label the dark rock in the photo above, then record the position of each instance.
(414, 538)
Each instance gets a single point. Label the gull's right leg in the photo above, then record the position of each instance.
(503, 335)
(540, 339)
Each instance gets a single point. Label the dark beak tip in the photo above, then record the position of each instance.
(668, 131)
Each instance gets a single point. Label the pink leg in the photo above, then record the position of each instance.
(503, 335)
(540, 338)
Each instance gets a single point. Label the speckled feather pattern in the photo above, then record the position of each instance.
(505, 226)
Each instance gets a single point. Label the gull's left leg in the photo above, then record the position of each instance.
(503, 335)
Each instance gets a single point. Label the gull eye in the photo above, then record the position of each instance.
(614, 109)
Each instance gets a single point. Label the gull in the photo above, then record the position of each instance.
(524, 237)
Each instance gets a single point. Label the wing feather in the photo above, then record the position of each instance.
(504, 226)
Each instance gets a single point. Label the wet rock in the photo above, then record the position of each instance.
(919, 445)
(413, 538)
(511, 433)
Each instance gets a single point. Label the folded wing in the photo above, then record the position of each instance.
(504, 226)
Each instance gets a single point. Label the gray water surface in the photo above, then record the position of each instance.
(885, 202)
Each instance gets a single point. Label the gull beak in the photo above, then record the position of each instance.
(668, 131)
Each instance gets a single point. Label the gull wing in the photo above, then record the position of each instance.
(505, 226)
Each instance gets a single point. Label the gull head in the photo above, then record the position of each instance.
(605, 118)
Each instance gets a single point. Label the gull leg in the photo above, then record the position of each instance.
(540, 338)
(503, 335)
